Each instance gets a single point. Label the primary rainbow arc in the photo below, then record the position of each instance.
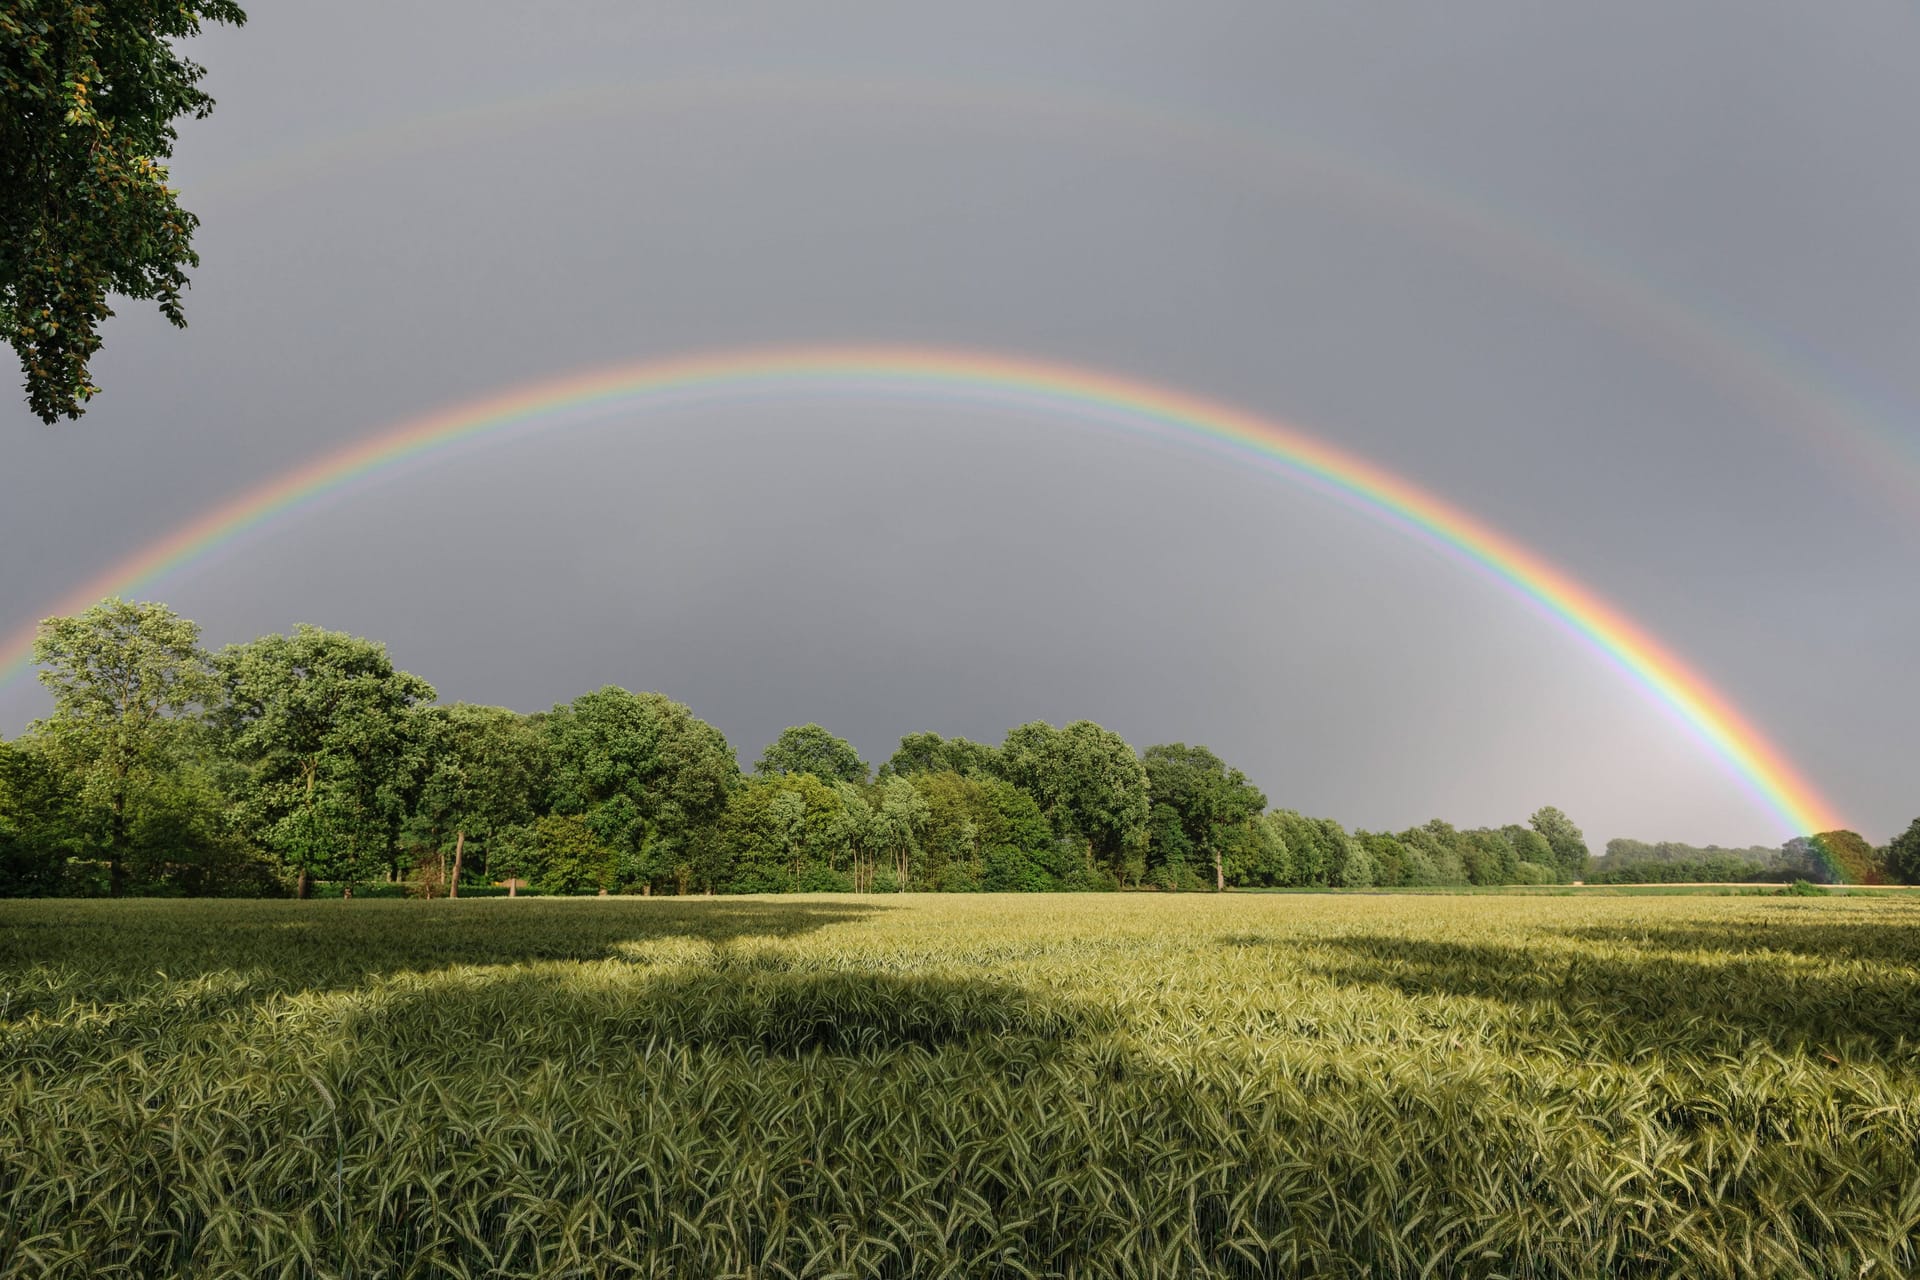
(966, 375)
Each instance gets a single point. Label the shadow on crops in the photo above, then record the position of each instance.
(1890, 937)
(761, 1004)
(1636, 996)
(105, 951)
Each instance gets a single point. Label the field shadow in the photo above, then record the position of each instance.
(756, 1005)
(1674, 991)
(52, 953)
(1892, 937)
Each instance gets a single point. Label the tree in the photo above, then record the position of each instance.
(129, 683)
(1433, 850)
(930, 753)
(1201, 800)
(648, 776)
(1531, 848)
(558, 853)
(1394, 864)
(1853, 860)
(39, 831)
(1308, 858)
(1320, 852)
(792, 832)
(1091, 787)
(1903, 855)
(808, 748)
(324, 722)
(899, 819)
(1488, 855)
(486, 772)
(88, 96)
(1350, 862)
(1568, 845)
(1803, 858)
(1256, 854)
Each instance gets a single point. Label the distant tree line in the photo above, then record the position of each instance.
(1825, 858)
(298, 760)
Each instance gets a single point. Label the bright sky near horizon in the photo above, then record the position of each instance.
(1636, 285)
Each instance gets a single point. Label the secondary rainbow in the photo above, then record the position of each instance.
(942, 374)
(1865, 434)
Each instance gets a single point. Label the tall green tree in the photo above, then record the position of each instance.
(1091, 787)
(1489, 856)
(648, 776)
(808, 748)
(556, 853)
(1204, 802)
(1568, 844)
(89, 92)
(1309, 861)
(1434, 852)
(1394, 864)
(1350, 862)
(1320, 851)
(1529, 846)
(486, 772)
(895, 828)
(39, 830)
(1903, 855)
(130, 684)
(982, 833)
(324, 723)
(791, 832)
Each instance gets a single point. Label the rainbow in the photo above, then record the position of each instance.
(939, 374)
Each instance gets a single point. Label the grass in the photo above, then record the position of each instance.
(1113, 1085)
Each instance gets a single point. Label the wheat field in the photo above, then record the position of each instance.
(1087, 1086)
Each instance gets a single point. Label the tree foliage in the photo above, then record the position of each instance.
(322, 722)
(39, 830)
(1903, 855)
(1568, 844)
(808, 748)
(126, 679)
(646, 774)
(88, 96)
(485, 774)
(930, 753)
(1091, 787)
(1852, 858)
(1199, 807)
(788, 832)
(309, 755)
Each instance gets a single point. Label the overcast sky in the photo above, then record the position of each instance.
(1637, 283)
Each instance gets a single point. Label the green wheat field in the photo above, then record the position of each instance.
(1097, 1086)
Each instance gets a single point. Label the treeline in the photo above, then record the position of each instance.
(1671, 862)
(1826, 858)
(292, 759)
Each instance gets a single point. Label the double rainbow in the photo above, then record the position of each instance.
(972, 377)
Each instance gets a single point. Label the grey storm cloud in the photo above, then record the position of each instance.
(1637, 284)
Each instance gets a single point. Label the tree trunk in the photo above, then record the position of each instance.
(1219, 874)
(459, 851)
(303, 888)
(513, 886)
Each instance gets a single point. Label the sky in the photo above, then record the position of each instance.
(1637, 284)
